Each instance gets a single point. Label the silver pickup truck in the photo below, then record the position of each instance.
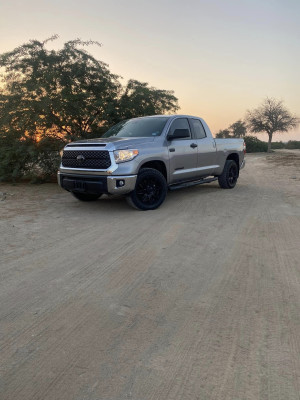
(144, 157)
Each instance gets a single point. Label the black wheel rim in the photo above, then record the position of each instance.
(232, 175)
(149, 190)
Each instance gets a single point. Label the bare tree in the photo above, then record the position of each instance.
(271, 117)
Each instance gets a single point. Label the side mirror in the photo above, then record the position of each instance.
(179, 134)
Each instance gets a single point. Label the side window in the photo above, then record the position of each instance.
(179, 123)
(198, 129)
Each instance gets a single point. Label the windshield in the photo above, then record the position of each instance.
(139, 127)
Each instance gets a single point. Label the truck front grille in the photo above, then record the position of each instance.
(97, 159)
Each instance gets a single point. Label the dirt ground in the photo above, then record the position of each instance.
(199, 299)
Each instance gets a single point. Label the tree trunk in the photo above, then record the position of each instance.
(269, 143)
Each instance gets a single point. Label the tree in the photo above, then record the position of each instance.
(50, 97)
(271, 117)
(223, 133)
(238, 129)
(65, 93)
(139, 99)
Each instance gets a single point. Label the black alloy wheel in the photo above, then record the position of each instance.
(150, 190)
(229, 176)
(232, 175)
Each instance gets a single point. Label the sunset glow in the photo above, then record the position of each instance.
(220, 58)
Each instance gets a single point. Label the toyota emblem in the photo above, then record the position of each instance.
(80, 158)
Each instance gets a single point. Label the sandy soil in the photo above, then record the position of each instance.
(199, 299)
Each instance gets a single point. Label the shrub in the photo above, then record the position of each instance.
(28, 158)
(278, 145)
(292, 144)
(254, 145)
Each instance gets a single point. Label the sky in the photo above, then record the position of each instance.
(221, 58)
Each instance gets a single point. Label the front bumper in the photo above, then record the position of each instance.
(96, 184)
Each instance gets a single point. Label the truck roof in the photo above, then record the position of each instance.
(169, 116)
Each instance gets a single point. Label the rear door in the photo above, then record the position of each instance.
(182, 153)
(207, 155)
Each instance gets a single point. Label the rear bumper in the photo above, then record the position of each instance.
(243, 164)
(96, 184)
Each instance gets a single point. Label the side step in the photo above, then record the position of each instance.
(191, 183)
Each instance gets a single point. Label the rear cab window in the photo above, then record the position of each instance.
(198, 129)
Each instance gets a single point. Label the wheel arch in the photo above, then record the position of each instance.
(158, 165)
(235, 157)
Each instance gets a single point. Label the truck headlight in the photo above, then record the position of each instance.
(125, 155)
(61, 153)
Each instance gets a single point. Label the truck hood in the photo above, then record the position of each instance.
(114, 142)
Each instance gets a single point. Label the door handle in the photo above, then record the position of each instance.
(171, 150)
(193, 145)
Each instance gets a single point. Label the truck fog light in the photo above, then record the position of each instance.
(120, 183)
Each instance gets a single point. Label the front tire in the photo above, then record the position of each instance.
(150, 190)
(229, 175)
(86, 196)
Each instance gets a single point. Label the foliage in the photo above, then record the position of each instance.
(138, 99)
(51, 97)
(278, 145)
(292, 144)
(16, 157)
(254, 145)
(223, 133)
(238, 129)
(271, 117)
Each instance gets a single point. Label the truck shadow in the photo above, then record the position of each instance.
(117, 204)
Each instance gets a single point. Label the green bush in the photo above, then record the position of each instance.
(278, 145)
(292, 144)
(254, 145)
(16, 157)
(28, 158)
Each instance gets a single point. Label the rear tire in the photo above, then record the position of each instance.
(86, 196)
(150, 190)
(229, 175)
